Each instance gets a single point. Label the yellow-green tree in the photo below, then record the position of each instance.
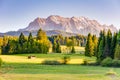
(43, 41)
(117, 49)
(117, 52)
(95, 43)
(89, 49)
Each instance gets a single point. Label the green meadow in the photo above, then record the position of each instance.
(19, 67)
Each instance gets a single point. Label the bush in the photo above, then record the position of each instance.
(85, 62)
(111, 73)
(0, 62)
(51, 62)
(66, 59)
(116, 63)
(107, 62)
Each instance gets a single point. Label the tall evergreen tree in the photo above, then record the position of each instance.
(108, 44)
(95, 42)
(30, 38)
(117, 49)
(89, 49)
(99, 40)
(73, 49)
(118, 38)
(58, 48)
(101, 46)
(54, 46)
(117, 52)
(22, 39)
(113, 45)
(30, 43)
(100, 56)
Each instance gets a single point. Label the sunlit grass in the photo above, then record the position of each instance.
(24, 71)
(54, 77)
(23, 58)
(19, 67)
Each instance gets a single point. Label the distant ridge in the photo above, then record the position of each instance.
(54, 25)
(77, 25)
(34, 33)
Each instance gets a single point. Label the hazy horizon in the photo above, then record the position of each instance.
(16, 14)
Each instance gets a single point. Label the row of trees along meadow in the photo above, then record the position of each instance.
(107, 45)
(69, 42)
(39, 43)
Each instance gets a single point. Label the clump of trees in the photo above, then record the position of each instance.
(69, 41)
(91, 45)
(38, 44)
(79, 40)
(107, 45)
(105, 48)
(56, 47)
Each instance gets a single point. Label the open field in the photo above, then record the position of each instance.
(19, 67)
(23, 58)
(20, 71)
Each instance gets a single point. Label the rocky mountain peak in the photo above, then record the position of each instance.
(79, 25)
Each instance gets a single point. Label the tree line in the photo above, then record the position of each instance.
(107, 45)
(30, 44)
(40, 43)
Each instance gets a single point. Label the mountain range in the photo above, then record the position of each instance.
(55, 24)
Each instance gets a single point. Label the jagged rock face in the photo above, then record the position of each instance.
(79, 25)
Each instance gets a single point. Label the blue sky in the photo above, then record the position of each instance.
(16, 14)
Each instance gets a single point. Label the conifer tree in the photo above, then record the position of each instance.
(89, 49)
(73, 49)
(117, 49)
(117, 52)
(58, 48)
(30, 43)
(30, 38)
(113, 45)
(99, 40)
(95, 42)
(108, 44)
(101, 46)
(100, 56)
(22, 39)
(54, 46)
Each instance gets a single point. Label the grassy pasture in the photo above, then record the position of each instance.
(19, 67)
(23, 58)
(23, 71)
(53, 77)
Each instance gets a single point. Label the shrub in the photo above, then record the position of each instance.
(51, 62)
(66, 59)
(85, 62)
(107, 62)
(111, 73)
(116, 63)
(0, 62)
